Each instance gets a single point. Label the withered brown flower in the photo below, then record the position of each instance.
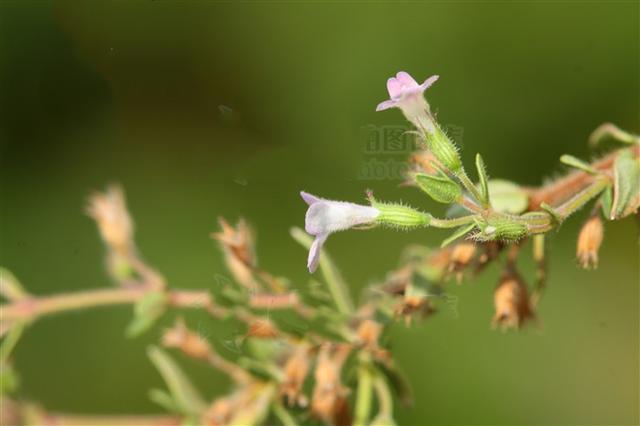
(424, 161)
(329, 395)
(192, 344)
(262, 328)
(462, 255)
(238, 247)
(109, 210)
(511, 300)
(589, 241)
(368, 333)
(295, 372)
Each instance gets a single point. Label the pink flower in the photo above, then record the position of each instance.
(327, 216)
(406, 94)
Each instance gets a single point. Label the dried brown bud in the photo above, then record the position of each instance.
(589, 242)
(295, 372)
(424, 162)
(411, 305)
(220, 412)
(243, 406)
(511, 300)
(368, 333)
(192, 344)
(439, 262)
(462, 254)
(262, 328)
(238, 248)
(109, 210)
(275, 301)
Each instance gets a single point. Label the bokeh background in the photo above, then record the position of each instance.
(204, 108)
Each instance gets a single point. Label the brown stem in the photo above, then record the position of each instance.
(103, 420)
(565, 188)
(33, 308)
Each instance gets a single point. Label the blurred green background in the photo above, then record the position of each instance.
(207, 108)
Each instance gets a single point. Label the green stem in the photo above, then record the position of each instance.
(451, 223)
(285, 417)
(331, 274)
(385, 400)
(469, 185)
(365, 387)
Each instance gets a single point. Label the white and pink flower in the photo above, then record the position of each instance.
(325, 217)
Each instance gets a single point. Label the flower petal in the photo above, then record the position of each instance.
(309, 198)
(394, 87)
(428, 82)
(314, 252)
(390, 103)
(406, 80)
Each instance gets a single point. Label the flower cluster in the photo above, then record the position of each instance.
(489, 215)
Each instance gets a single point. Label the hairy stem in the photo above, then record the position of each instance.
(451, 223)
(562, 189)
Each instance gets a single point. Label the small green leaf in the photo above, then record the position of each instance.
(606, 199)
(185, 396)
(507, 197)
(398, 382)
(577, 163)
(557, 219)
(626, 185)
(9, 379)
(441, 188)
(484, 180)
(10, 287)
(10, 341)
(611, 131)
(146, 312)
(460, 232)
(164, 400)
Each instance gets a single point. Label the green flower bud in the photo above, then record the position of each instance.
(444, 149)
(501, 228)
(400, 216)
(441, 188)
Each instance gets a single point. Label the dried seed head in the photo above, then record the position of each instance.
(511, 300)
(109, 210)
(192, 344)
(589, 242)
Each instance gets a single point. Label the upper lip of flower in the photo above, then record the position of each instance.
(401, 86)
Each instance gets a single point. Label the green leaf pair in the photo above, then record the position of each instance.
(439, 187)
(626, 185)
